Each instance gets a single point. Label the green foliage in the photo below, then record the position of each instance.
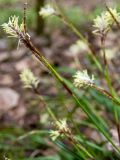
(8, 1)
(54, 157)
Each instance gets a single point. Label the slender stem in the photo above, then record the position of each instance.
(31, 133)
(48, 109)
(107, 94)
(24, 18)
(77, 145)
(77, 62)
(45, 105)
(108, 80)
(103, 49)
(87, 153)
(114, 108)
(79, 34)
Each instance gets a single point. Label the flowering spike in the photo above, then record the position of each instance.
(46, 11)
(62, 124)
(54, 135)
(78, 46)
(82, 79)
(28, 79)
(12, 28)
(101, 25)
(62, 129)
(103, 22)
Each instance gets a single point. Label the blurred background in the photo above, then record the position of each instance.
(21, 111)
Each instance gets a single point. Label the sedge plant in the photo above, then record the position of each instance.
(102, 25)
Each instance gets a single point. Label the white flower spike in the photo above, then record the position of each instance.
(78, 46)
(101, 25)
(82, 79)
(46, 11)
(28, 79)
(103, 22)
(62, 129)
(62, 124)
(12, 27)
(54, 135)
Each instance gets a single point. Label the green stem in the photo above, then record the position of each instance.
(31, 133)
(79, 34)
(114, 18)
(48, 109)
(107, 94)
(108, 80)
(114, 108)
(78, 146)
(86, 152)
(50, 112)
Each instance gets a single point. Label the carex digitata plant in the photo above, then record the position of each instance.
(102, 25)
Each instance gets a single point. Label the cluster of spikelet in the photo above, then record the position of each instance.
(62, 129)
(28, 79)
(13, 27)
(103, 22)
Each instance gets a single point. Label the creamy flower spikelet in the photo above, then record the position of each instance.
(54, 135)
(28, 79)
(62, 124)
(101, 25)
(78, 46)
(109, 17)
(46, 11)
(62, 129)
(82, 79)
(110, 53)
(103, 22)
(5, 158)
(12, 27)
